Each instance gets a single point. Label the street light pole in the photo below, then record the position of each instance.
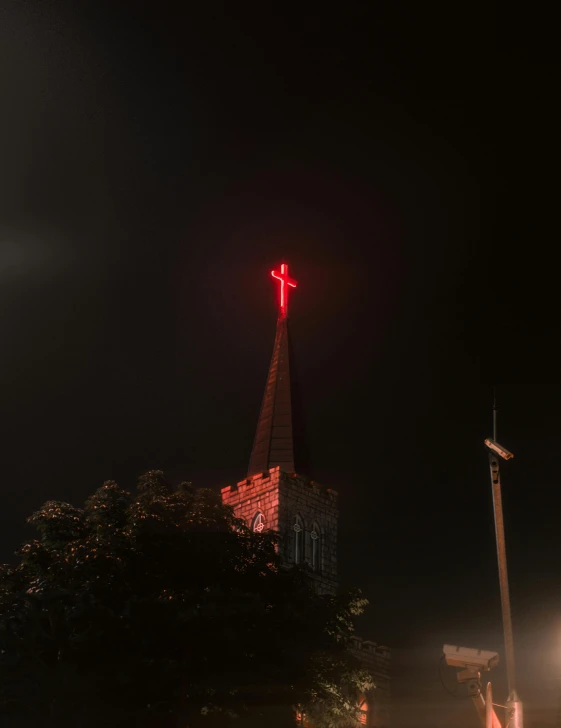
(514, 705)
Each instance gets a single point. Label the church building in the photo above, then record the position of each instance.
(276, 496)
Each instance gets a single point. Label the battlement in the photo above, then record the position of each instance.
(376, 658)
(254, 483)
(380, 653)
(291, 504)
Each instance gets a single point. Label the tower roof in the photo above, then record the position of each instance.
(280, 425)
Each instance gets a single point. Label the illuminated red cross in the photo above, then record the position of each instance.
(285, 281)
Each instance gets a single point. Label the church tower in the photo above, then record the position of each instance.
(275, 495)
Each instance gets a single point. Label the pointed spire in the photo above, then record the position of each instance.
(495, 409)
(273, 443)
(274, 439)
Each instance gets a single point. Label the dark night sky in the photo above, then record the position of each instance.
(156, 162)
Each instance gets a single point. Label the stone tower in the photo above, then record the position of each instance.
(274, 495)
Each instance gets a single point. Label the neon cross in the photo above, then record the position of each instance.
(284, 282)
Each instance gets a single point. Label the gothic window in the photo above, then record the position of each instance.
(258, 522)
(315, 538)
(298, 540)
(363, 717)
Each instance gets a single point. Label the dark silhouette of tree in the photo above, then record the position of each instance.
(162, 609)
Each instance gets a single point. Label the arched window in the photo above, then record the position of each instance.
(258, 522)
(298, 540)
(315, 555)
(363, 717)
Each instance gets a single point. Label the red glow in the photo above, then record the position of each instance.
(363, 710)
(284, 282)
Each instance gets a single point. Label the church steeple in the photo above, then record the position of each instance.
(274, 439)
(302, 513)
(273, 496)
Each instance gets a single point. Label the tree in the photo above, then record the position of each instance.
(161, 608)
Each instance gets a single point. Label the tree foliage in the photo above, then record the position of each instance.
(160, 608)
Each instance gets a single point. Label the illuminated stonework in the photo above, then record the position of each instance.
(302, 512)
(375, 704)
(258, 522)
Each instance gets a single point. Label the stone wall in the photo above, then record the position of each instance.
(282, 496)
(258, 493)
(376, 658)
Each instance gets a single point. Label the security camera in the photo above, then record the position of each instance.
(469, 658)
(499, 449)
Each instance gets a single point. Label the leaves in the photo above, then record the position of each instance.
(58, 523)
(159, 607)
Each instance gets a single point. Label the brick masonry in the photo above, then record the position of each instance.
(280, 497)
(377, 659)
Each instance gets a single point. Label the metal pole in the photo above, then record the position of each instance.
(503, 573)
(515, 715)
(491, 720)
(485, 709)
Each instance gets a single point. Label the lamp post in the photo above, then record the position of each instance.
(515, 718)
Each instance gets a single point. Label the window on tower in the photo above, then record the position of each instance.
(298, 540)
(315, 555)
(363, 716)
(258, 523)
